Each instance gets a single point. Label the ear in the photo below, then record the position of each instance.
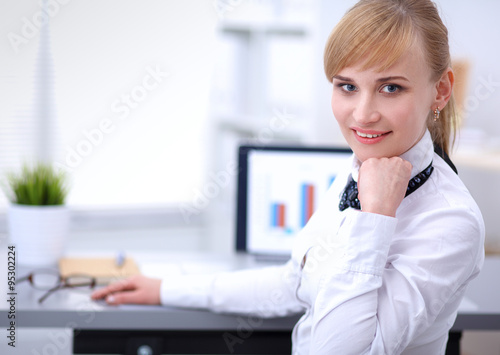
(444, 88)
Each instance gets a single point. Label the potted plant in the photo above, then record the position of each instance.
(38, 218)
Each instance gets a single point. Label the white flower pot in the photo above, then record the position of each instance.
(39, 233)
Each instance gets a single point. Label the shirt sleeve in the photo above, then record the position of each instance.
(388, 286)
(266, 292)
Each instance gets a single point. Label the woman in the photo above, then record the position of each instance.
(374, 271)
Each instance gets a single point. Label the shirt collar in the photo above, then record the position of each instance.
(420, 156)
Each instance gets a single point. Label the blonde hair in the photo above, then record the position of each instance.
(380, 32)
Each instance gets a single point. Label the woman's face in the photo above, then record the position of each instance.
(384, 114)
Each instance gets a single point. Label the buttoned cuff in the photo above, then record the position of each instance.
(367, 238)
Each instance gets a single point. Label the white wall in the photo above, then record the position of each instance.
(475, 35)
(158, 53)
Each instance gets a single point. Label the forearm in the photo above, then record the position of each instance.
(267, 292)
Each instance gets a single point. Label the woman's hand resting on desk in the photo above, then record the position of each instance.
(135, 290)
(382, 184)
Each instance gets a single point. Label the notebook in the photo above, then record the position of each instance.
(105, 270)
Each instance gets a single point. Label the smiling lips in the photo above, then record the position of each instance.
(369, 137)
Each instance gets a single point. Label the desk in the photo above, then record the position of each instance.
(98, 328)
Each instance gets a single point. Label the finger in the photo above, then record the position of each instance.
(118, 286)
(129, 297)
(98, 294)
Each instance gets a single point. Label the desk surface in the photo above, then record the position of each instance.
(72, 309)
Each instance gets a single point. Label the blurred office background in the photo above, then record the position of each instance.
(143, 103)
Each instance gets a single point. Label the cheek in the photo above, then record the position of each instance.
(419, 118)
(339, 108)
(406, 114)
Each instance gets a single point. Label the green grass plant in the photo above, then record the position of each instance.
(38, 185)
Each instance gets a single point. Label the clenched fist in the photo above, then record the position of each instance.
(382, 184)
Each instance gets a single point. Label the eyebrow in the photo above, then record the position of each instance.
(384, 79)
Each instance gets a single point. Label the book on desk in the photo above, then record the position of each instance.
(104, 270)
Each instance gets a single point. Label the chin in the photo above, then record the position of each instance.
(363, 155)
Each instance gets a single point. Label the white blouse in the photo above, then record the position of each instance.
(370, 284)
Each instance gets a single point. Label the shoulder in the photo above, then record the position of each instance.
(444, 191)
(441, 218)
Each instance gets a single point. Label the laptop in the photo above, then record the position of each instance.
(278, 189)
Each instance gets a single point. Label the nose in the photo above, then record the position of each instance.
(365, 112)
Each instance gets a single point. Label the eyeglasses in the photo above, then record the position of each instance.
(50, 280)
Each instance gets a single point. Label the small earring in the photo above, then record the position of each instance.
(436, 114)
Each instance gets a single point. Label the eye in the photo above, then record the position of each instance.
(391, 89)
(348, 87)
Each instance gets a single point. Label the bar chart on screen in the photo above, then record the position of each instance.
(285, 190)
(278, 212)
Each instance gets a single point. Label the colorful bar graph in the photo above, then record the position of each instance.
(278, 215)
(332, 179)
(307, 203)
(281, 215)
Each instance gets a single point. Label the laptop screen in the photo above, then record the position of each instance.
(279, 188)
